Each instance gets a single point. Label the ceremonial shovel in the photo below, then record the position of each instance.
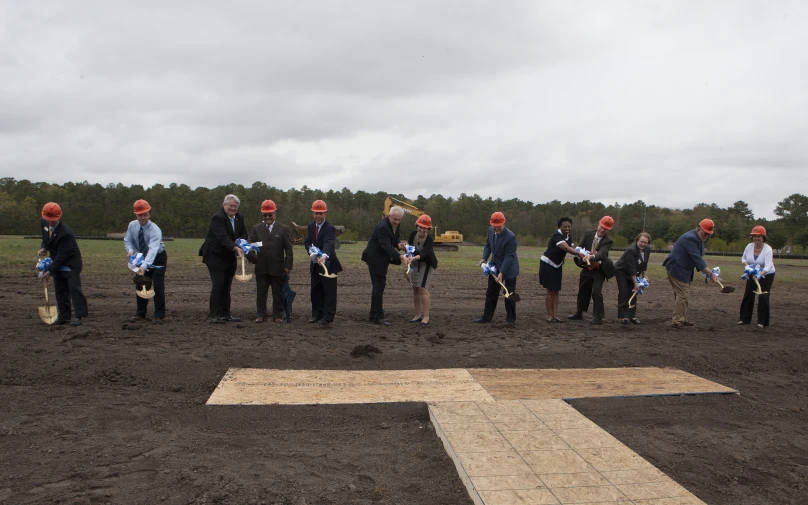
(511, 296)
(49, 314)
(326, 274)
(725, 289)
(629, 300)
(144, 292)
(759, 290)
(244, 277)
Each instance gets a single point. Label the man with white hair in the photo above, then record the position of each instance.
(220, 254)
(383, 249)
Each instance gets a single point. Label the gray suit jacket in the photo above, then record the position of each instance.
(276, 251)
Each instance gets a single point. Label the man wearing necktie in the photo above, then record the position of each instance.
(275, 259)
(500, 246)
(143, 236)
(323, 235)
(59, 241)
(590, 282)
(220, 254)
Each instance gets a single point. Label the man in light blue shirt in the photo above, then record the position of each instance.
(143, 236)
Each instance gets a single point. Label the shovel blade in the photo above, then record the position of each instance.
(145, 293)
(514, 297)
(244, 278)
(329, 276)
(727, 289)
(48, 314)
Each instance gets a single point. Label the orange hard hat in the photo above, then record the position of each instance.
(607, 222)
(707, 225)
(51, 211)
(141, 207)
(497, 219)
(424, 220)
(268, 206)
(319, 206)
(758, 230)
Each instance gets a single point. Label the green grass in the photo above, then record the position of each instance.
(18, 255)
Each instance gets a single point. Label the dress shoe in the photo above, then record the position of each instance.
(688, 323)
(575, 317)
(137, 319)
(677, 326)
(157, 320)
(326, 324)
(217, 320)
(481, 320)
(416, 320)
(596, 320)
(232, 319)
(424, 323)
(278, 320)
(634, 320)
(382, 322)
(315, 320)
(61, 321)
(76, 321)
(259, 319)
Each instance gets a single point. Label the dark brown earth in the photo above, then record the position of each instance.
(114, 412)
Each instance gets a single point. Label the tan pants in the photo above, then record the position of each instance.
(681, 291)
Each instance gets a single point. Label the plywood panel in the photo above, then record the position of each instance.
(251, 386)
(518, 384)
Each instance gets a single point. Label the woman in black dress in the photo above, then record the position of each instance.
(632, 265)
(424, 263)
(551, 265)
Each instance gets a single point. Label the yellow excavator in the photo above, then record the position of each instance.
(446, 241)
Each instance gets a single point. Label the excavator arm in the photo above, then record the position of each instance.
(409, 209)
(443, 242)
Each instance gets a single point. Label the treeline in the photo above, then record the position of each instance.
(182, 212)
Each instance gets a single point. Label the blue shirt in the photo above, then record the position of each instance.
(153, 237)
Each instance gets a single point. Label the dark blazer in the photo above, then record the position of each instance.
(630, 262)
(504, 256)
(276, 254)
(62, 246)
(217, 250)
(428, 251)
(381, 249)
(685, 256)
(326, 240)
(602, 253)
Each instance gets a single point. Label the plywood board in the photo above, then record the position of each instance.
(518, 384)
(251, 386)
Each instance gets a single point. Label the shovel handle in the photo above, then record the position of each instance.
(629, 300)
(760, 289)
(243, 269)
(507, 294)
(45, 285)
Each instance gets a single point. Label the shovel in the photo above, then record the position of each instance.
(49, 314)
(629, 300)
(144, 291)
(759, 289)
(244, 277)
(326, 274)
(514, 297)
(725, 289)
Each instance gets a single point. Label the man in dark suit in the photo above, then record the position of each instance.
(59, 241)
(275, 259)
(323, 236)
(500, 246)
(590, 282)
(382, 250)
(220, 252)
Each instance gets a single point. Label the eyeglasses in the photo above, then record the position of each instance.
(319, 213)
(268, 214)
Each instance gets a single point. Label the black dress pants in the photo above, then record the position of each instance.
(263, 284)
(67, 286)
(625, 288)
(220, 281)
(748, 302)
(158, 278)
(378, 281)
(590, 285)
(492, 297)
(323, 296)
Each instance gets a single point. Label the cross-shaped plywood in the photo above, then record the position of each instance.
(511, 437)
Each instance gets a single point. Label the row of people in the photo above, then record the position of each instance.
(273, 265)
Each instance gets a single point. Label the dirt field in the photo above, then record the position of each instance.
(113, 412)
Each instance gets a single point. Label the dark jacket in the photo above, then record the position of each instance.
(217, 250)
(427, 251)
(381, 249)
(503, 256)
(631, 262)
(276, 254)
(62, 247)
(326, 240)
(685, 256)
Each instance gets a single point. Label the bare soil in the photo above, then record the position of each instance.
(114, 412)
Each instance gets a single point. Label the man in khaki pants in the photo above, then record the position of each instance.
(684, 258)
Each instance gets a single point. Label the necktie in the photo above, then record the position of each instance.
(141, 242)
(50, 232)
(495, 241)
(316, 232)
(595, 244)
(233, 222)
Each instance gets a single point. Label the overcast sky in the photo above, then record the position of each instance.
(674, 103)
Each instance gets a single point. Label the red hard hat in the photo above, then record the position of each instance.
(758, 230)
(497, 219)
(607, 222)
(141, 207)
(707, 225)
(318, 206)
(268, 206)
(424, 221)
(51, 211)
